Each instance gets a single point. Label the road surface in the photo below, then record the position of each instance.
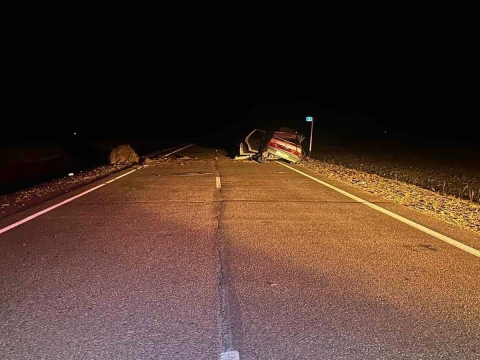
(204, 257)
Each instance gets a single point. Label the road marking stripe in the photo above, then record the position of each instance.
(230, 355)
(439, 236)
(219, 185)
(60, 204)
(177, 150)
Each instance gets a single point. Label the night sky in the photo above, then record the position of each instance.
(111, 101)
(121, 84)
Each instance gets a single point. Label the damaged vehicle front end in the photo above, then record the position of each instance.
(261, 145)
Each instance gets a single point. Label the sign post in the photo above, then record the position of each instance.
(310, 119)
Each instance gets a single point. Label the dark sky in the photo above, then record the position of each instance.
(121, 83)
(146, 98)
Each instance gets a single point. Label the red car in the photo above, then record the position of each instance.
(284, 144)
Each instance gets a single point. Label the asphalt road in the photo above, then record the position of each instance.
(206, 257)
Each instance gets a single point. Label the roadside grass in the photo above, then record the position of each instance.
(443, 171)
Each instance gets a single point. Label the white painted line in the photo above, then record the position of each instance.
(439, 236)
(230, 355)
(173, 152)
(219, 185)
(60, 204)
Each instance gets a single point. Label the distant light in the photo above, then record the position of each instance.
(74, 133)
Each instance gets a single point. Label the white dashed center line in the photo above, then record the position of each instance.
(230, 355)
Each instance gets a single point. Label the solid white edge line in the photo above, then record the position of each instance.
(173, 152)
(60, 204)
(439, 236)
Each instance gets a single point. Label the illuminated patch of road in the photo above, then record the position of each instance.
(9, 227)
(439, 236)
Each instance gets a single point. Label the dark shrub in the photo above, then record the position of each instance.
(123, 154)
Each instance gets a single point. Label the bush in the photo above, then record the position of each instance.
(123, 154)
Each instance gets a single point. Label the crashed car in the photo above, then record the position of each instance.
(261, 146)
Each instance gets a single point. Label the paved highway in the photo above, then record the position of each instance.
(200, 256)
